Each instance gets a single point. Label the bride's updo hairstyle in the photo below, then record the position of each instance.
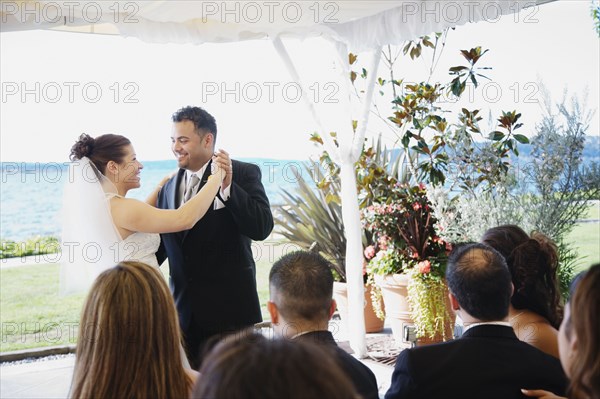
(100, 150)
(533, 263)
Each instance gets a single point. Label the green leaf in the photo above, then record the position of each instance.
(406, 140)
(497, 136)
(473, 80)
(521, 138)
(458, 68)
(457, 87)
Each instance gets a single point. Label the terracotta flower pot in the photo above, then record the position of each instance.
(394, 289)
(372, 322)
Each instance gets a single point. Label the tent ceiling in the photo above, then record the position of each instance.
(359, 24)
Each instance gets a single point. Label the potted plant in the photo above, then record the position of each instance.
(312, 219)
(407, 261)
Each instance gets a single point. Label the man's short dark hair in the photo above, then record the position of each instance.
(479, 279)
(203, 121)
(302, 284)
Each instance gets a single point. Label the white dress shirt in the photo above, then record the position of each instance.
(218, 204)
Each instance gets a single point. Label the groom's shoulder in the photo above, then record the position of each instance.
(172, 182)
(246, 166)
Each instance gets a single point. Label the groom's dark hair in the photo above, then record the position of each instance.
(203, 121)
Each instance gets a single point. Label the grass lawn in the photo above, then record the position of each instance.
(33, 315)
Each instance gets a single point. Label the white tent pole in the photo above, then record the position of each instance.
(351, 219)
(359, 138)
(352, 224)
(289, 64)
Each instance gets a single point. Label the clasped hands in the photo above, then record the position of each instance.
(222, 168)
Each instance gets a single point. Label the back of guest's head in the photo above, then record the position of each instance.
(128, 344)
(248, 365)
(582, 365)
(100, 150)
(478, 278)
(533, 263)
(301, 285)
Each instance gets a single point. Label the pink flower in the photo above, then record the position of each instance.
(416, 206)
(383, 242)
(424, 266)
(369, 252)
(422, 186)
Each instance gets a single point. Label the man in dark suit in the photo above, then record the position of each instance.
(213, 274)
(301, 304)
(488, 361)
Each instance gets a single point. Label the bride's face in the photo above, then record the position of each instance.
(129, 169)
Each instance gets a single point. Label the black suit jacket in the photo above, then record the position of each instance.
(363, 378)
(213, 274)
(488, 361)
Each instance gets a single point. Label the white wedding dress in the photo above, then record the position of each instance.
(138, 247)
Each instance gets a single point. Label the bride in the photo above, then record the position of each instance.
(101, 227)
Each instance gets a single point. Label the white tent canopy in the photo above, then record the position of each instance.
(358, 24)
(348, 25)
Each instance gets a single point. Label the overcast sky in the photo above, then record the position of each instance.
(103, 84)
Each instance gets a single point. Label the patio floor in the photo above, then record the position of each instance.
(50, 377)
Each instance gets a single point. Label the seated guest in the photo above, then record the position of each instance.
(248, 365)
(129, 339)
(535, 311)
(301, 304)
(578, 340)
(488, 361)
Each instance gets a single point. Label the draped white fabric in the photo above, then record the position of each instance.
(359, 24)
(352, 25)
(90, 240)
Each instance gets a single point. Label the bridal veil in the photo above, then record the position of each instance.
(90, 240)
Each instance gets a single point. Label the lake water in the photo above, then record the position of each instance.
(31, 193)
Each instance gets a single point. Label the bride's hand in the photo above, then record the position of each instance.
(166, 178)
(219, 166)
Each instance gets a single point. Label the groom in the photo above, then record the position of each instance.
(213, 275)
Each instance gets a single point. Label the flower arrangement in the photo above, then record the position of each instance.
(405, 241)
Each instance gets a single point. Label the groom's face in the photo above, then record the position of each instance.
(191, 149)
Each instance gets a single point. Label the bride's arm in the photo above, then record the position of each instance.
(134, 215)
(153, 197)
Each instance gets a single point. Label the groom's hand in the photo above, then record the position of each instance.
(224, 159)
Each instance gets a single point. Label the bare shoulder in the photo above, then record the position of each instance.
(118, 202)
(538, 332)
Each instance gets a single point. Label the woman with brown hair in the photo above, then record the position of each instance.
(102, 227)
(536, 311)
(248, 365)
(129, 337)
(579, 340)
